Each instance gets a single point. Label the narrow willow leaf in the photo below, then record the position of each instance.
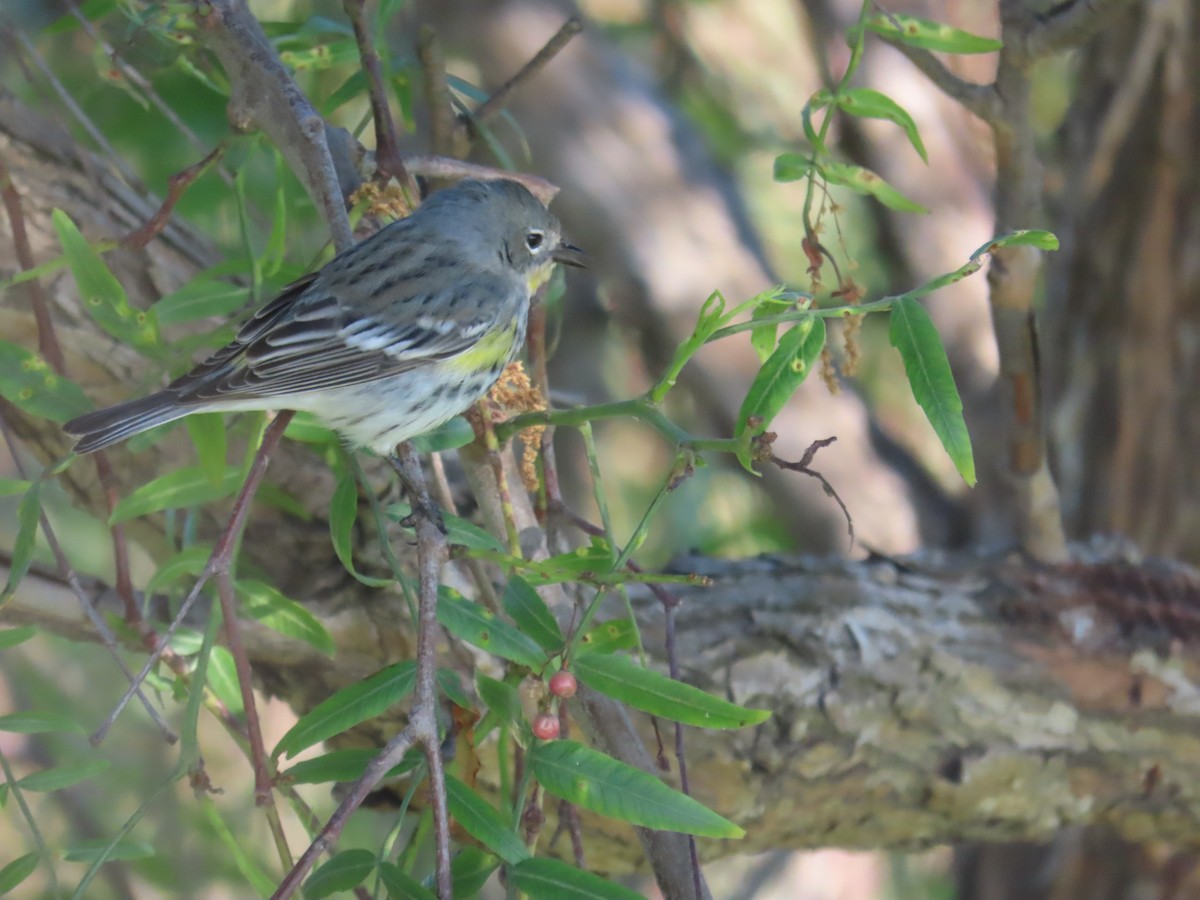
(200, 298)
(470, 870)
(449, 436)
(348, 707)
(345, 765)
(267, 605)
(102, 848)
(606, 786)
(655, 693)
(11, 637)
(482, 822)
(553, 879)
(189, 486)
(344, 872)
(39, 723)
(343, 511)
(17, 871)
(207, 431)
(916, 32)
(762, 338)
(12, 486)
(400, 885)
(792, 167)
(480, 628)
(29, 383)
(610, 636)
(864, 181)
(1042, 240)
(185, 563)
(505, 704)
(29, 516)
(63, 776)
(531, 613)
(102, 294)
(780, 375)
(912, 333)
(223, 680)
(469, 535)
(867, 103)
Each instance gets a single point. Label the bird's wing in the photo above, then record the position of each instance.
(306, 339)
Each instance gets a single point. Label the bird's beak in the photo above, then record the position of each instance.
(570, 255)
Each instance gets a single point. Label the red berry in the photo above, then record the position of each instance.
(545, 727)
(563, 684)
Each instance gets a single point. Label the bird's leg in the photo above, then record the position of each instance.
(412, 483)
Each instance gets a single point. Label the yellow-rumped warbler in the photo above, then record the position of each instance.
(392, 338)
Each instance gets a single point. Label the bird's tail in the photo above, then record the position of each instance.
(103, 427)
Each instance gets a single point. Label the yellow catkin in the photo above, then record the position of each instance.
(515, 393)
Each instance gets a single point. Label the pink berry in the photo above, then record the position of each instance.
(545, 727)
(563, 684)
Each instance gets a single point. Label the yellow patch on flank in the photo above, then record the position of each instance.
(492, 351)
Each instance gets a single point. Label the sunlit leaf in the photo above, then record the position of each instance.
(29, 383)
(17, 871)
(345, 765)
(267, 605)
(923, 33)
(185, 487)
(482, 822)
(864, 181)
(611, 788)
(868, 103)
(350, 706)
(553, 879)
(480, 628)
(654, 693)
(531, 613)
(913, 333)
(63, 776)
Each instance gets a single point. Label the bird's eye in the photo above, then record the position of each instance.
(534, 239)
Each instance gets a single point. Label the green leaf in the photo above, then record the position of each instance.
(223, 680)
(343, 511)
(39, 723)
(916, 32)
(63, 776)
(185, 487)
(912, 333)
(480, 628)
(864, 181)
(469, 535)
(610, 636)
(345, 765)
(29, 517)
(482, 822)
(93, 850)
(470, 870)
(12, 486)
(11, 637)
(792, 167)
(200, 298)
(606, 786)
(780, 375)
(531, 613)
(207, 431)
(448, 436)
(17, 871)
(450, 683)
(400, 885)
(356, 703)
(867, 103)
(189, 562)
(762, 338)
(503, 700)
(344, 872)
(553, 879)
(1042, 240)
(655, 693)
(103, 295)
(305, 428)
(29, 383)
(266, 604)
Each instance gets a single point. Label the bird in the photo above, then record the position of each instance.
(390, 339)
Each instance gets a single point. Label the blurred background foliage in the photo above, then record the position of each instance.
(728, 78)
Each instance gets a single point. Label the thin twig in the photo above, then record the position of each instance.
(388, 159)
(221, 554)
(431, 554)
(979, 99)
(803, 465)
(500, 97)
(177, 184)
(442, 122)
